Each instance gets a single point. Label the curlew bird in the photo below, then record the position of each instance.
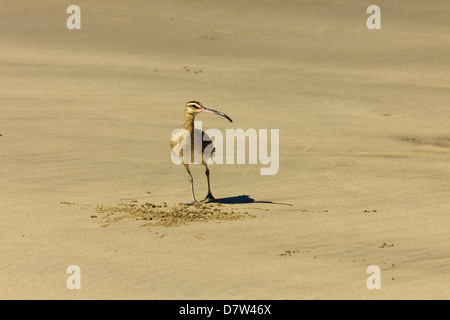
(187, 134)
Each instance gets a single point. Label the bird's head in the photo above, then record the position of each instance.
(195, 107)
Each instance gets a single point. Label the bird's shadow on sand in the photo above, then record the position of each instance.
(246, 199)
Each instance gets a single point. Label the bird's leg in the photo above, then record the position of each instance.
(194, 201)
(209, 196)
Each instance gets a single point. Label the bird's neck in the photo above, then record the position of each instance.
(188, 123)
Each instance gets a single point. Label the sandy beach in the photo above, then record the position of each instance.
(86, 176)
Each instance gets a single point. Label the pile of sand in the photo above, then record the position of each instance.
(163, 215)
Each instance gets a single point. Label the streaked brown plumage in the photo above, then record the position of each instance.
(186, 135)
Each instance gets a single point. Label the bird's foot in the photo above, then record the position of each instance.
(209, 198)
(195, 202)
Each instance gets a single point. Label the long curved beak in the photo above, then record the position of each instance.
(204, 109)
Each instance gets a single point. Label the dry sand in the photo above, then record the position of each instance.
(85, 117)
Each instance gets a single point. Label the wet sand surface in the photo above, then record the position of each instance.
(86, 176)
